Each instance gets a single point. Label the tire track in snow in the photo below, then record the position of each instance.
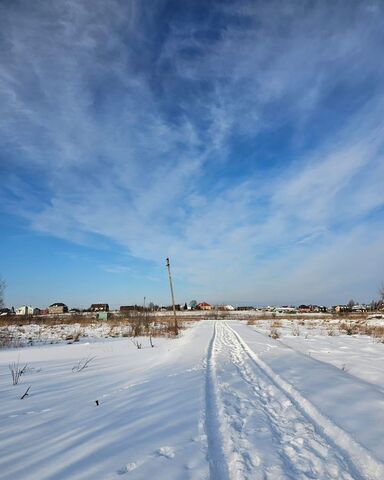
(355, 459)
(231, 454)
(217, 454)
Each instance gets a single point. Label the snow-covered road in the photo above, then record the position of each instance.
(223, 402)
(264, 428)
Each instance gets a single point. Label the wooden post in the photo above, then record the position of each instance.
(173, 296)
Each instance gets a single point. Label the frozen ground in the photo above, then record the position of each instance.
(223, 401)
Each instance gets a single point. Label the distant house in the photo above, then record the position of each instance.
(304, 308)
(318, 308)
(228, 308)
(131, 308)
(169, 308)
(341, 308)
(21, 310)
(244, 309)
(99, 307)
(268, 309)
(204, 306)
(27, 310)
(57, 307)
(359, 308)
(286, 309)
(6, 311)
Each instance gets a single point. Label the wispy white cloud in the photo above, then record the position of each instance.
(116, 269)
(110, 130)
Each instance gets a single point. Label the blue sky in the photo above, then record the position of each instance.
(242, 139)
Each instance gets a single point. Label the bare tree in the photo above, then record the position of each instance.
(380, 303)
(2, 290)
(381, 292)
(193, 304)
(351, 304)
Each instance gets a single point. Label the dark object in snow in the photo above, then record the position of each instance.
(25, 394)
(97, 402)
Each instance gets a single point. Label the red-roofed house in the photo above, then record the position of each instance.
(204, 306)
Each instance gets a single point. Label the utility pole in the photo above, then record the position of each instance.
(144, 302)
(173, 296)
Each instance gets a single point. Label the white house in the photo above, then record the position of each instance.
(230, 308)
(359, 308)
(27, 310)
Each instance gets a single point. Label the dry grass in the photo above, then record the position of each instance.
(277, 324)
(362, 328)
(346, 323)
(13, 329)
(274, 333)
(376, 332)
(295, 329)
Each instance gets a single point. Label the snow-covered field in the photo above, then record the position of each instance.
(222, 401)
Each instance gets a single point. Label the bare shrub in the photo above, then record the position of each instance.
(76, 337)
(73, 337)
(349, 328)
(330, 331)
(137, 344)
(375, 331)
(82, 364)
(311, 325)
(17, 371)
(113, 330)
(9, 340)
(295, 330)
(137, 329)
(274, 333)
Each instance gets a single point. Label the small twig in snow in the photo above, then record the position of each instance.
(25, 394)
(82, 364)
